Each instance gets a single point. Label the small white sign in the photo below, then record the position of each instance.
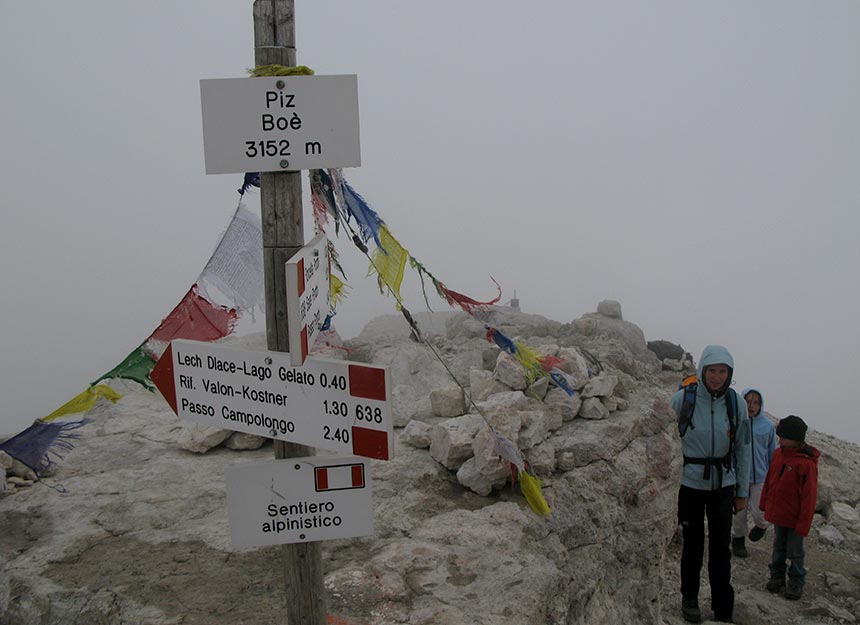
(296, 500)
(307, 277)
(253, 124)
(330, 404)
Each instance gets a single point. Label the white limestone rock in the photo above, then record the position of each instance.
(489, 356)
(506, 401)
(201, 438)
(19, 469)
(451, 441)
(408, 403)
(830, 611)
(482, 476)
(6, 461)
(542, 458)
(587, 441)
(240, 441)
(830, 536)
(841, 586)
(486, 470)
(617, 342)
(576, 365)
(464, 357)
(418, 434)
(593, 408)
(609, 308)
(482, 384)
(535, 429)
(560, 404)
(448, 401)
(844, 516)
(538, 388)
(554, 418)
(510, 372)
(602, 385)
(672, 365)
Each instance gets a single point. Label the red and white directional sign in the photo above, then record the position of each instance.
(307, 280)
(283, 123)
(330, 404)
(295, 500)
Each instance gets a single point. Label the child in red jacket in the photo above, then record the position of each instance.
(788, 500)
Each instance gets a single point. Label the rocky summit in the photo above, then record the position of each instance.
(132, 525)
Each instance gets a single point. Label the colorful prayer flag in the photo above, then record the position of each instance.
(135, 367)
(389, 262)
(197, 319)
(83, 402)
(236, 266)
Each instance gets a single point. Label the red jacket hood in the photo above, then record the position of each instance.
(807, 451)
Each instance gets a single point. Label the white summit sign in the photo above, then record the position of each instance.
(283, 123)
(294, 500)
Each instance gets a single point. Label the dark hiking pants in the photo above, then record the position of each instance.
(693, 506)
(787, 544)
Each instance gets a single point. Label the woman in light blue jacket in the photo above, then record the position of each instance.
(763, 446)
(715, 481)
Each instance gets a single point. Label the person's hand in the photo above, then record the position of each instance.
(740, 503)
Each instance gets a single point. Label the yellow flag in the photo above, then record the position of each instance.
(336, 290)
(84, 401)
(528, 358)
(389, 266)
(531, 490)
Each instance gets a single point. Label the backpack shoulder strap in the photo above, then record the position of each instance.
(688, 404)
(732, 409)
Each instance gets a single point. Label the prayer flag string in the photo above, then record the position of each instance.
(388, 262)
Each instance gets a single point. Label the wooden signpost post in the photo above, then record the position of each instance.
(283, 236)
(279, 126)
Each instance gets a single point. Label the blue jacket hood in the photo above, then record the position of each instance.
(752, 389)
(716, 355)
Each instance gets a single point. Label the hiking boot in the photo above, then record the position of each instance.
(776, 584)
(739, 549)
(690, 610)
(794, 589)
(757, 533)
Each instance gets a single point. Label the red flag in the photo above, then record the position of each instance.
(197, 319)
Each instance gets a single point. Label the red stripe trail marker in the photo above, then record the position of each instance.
(307, 284)
(339, 477)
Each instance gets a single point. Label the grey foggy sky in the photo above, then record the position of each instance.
(697, 162)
